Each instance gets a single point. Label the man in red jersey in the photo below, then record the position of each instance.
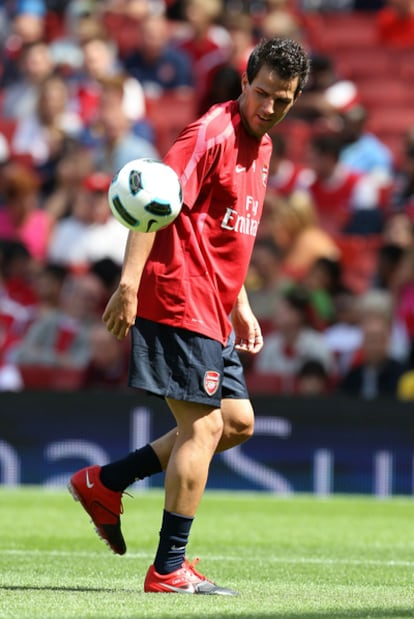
(192, 313)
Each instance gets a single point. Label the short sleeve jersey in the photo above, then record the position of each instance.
(198, 264)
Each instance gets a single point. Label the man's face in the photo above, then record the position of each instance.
(376, 337)
(266, 101)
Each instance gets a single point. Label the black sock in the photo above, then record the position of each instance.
(137, 465)
(175, 530)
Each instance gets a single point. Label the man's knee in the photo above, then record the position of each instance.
(238, 420)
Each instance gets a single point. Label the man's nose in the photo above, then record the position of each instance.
(268, 106)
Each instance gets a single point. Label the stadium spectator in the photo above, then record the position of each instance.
(60, 338)
(323, 282)
(26, 26)
(121, 21)
(81, 22)
(325, 94)
(376, 373)
(312, 379)
(18, 269)
(395, 24)
(362, 150)
(402, 194)
(265, 281)
(91, 233)
(224, 86)
(42, 133)
(108, 272)
(204, 40)
(112, 140)
(73, 166)
(225, 78)
(294, 226)
(15, 317)
(21, 216)
(108, 364)
(284, 173)
(48, 285)
(240, 27)
(100, 61)
(20, 95)
(344, 336)
(390, 256)
(281, 22)
(399, 230)
(157, 64)
(292, 340)
(345, 201)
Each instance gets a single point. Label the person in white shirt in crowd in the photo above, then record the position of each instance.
(91, 233)
(293, 341)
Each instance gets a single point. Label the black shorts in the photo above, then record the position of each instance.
(183, 365)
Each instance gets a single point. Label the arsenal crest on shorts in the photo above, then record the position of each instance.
(211, 382)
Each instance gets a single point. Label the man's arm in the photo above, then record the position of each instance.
(121, 310)
(246, 326)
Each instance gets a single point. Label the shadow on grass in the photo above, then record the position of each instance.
(359, 613)
(63, 589)
(349, 613)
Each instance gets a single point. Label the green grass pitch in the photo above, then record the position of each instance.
(293, 558)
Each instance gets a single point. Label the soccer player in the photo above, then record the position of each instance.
(181, 294)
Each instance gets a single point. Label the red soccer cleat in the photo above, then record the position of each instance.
(104, 506)
(184, 580)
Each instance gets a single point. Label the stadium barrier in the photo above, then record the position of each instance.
(320, 446)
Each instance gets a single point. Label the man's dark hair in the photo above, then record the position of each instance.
(285, 56)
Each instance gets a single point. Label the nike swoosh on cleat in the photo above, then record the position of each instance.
(187, 589)
(89, 484)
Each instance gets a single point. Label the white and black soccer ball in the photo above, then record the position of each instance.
(145, 195)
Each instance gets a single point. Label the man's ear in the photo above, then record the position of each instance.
(298, 94)
(244, 81)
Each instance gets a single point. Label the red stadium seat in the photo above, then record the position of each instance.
(393, 121)
(169, 114)
(346, 31)
(50, 378)
(384, 92)
(269, 384)
(359, 259)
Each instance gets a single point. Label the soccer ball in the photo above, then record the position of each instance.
(145, 195)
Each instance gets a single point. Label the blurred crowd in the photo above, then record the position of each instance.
(86, 86)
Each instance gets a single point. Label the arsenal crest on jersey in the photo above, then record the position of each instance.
(211, 382)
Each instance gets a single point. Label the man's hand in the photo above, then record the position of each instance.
(121, 312)
(246, 328)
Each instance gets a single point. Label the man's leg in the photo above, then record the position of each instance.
(238, 421)
(100, 489)
(199, 429)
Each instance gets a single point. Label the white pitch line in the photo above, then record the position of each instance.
(270, 559)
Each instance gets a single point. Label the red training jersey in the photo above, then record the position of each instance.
(198, 264)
